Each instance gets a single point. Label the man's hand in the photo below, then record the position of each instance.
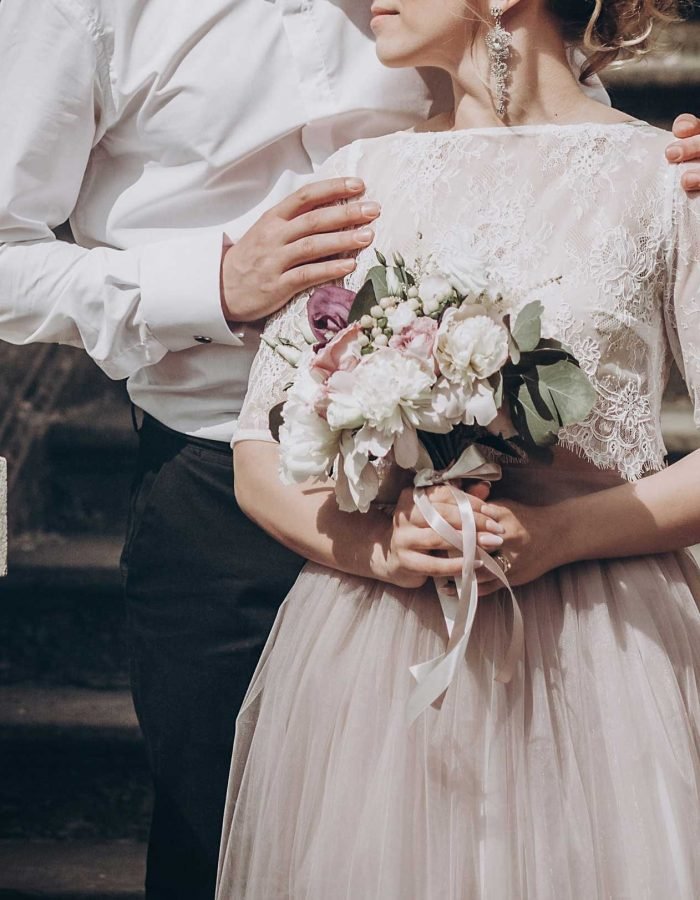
(291, 248)
(686, 149)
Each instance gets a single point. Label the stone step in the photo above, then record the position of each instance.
(62, 617)
(90, 454)
(75, 870)
(72, 765)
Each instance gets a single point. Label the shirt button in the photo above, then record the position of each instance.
(202, 339)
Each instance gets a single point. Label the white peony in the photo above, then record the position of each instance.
(470, 345)
(434, 290)
(308, 447)
(394, 285)
(391, 387)
(467, 274)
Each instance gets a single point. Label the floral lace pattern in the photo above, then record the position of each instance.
(588, 219)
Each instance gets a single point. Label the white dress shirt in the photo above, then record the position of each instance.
(155, 126)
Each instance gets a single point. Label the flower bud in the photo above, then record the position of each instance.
(367, 322)
(376, 311)
(412, 292)
(399, 260)
(381, 340)
(363, 340)
(375, 331)
(414, 304)
(387, 302)
(292, 355)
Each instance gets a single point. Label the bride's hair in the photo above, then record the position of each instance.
(611, 30)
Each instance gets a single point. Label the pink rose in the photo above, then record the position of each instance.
(417, 339)
(342, 353)
(328, 310)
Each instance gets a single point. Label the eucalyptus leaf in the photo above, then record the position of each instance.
(513, 350)
(541, 399)
(275, 420)
(364, 300)
(527, 330)
(542, 433)
(570, 390)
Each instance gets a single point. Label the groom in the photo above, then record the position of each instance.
(171, 133)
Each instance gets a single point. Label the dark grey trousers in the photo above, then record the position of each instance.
(203, 585)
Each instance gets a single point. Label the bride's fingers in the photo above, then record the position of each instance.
(432, 566)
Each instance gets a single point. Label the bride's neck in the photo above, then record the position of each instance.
(541, 86)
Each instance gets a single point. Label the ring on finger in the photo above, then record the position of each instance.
(502, 562)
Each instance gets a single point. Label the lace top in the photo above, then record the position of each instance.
(589, 219)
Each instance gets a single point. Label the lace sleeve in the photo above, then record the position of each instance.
(270, 374)
(683, 297)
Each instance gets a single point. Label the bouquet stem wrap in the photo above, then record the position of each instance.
(435, 676)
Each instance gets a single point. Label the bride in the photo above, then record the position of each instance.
(581, 777)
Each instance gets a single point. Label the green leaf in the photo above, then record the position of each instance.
(570, 390)
(363, 302)
(541, 431)
(496, 382)
(275, 420)
(377, 275)
(527, 330)
(513, 350)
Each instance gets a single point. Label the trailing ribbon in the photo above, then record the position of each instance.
(435, 676)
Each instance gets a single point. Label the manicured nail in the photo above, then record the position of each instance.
(347, 265)
(364, 235)
(674, 153)
(495, 527)
(354, 185)
(370, 209)
(691, 183)
(490, 541)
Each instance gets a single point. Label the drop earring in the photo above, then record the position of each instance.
(498, 43)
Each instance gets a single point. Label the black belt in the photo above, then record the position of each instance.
(151, 430)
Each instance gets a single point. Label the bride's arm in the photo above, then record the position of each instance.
(654, 515)
(306, 518)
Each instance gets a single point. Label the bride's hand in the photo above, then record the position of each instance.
(533, 542)
(414, 552)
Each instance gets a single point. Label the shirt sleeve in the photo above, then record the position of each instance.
(683, 293)
(126, 308)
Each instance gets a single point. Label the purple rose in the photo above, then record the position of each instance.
(328, 310)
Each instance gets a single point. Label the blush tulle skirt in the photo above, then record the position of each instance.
(578, 780)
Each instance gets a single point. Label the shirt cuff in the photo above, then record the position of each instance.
(181, 293)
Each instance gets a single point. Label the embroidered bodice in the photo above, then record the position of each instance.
(589, 219)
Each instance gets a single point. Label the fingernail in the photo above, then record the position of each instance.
(490, 540)
(691, 183)
(674, 153)
(495, 527)
(347, 265)
(370, 209)
(364, 235)
(355, 185)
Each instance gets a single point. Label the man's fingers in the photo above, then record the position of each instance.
(321, 246)
(690, 179)
(686, 125)
(333, 218)
(685, 150)
(318, 193)
(302, 278)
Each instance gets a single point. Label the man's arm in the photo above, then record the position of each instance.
(686, 149)
(127, 308)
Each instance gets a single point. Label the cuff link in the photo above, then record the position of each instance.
(202, 339)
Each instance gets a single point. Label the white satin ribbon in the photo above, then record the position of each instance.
(435, 676)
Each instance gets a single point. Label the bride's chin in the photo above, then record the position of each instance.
(395, 57)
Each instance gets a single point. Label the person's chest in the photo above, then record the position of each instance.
(222, 79)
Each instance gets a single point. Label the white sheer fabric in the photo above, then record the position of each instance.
(581, 778)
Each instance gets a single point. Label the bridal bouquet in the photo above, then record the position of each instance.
(414, 365)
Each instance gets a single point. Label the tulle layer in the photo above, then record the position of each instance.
(579, 779)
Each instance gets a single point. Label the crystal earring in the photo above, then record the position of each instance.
(498, 43)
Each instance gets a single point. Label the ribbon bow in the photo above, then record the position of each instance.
(435, 676)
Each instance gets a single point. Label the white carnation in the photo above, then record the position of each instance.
(391, 386)
(470, 346)
(308, 447)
